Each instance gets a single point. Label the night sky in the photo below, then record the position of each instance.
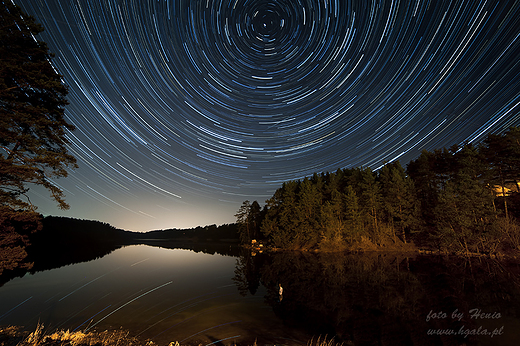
(184, 109)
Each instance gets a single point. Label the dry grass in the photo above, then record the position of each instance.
(14, 336)
(324, 342)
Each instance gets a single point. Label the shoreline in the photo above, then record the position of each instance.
(409, 248)
(17, 336)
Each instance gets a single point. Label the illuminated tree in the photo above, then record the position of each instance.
(502, 153)
(399, 198)
(370, 199)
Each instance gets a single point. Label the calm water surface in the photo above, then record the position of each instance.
(196, 298)
(167, 295)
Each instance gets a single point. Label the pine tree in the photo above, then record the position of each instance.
(32, 125)
(371, 202)
(465, 207)
(255, 219)
(280, 224)
(307, 212)
(352, 214)
(429, 172)
(399, 198)
(244, 222)
(502, 153)
(333, 224)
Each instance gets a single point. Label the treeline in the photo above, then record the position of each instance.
(210, 239)
(464, 199)
(63, 241)
(210, 233)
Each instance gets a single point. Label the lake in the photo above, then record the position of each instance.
(200, 298)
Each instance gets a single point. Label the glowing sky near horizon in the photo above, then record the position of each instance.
(184, 109)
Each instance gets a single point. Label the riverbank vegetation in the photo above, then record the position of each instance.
(16, 336)
(463, 200)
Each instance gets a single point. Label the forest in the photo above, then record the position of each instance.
(462, 200)
(209, 233)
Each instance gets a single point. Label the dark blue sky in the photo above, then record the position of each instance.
(184, 109)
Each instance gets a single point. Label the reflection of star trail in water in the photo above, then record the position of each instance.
(194, 302)
(88, 319)
(141, 261)
(12, 309)
(84, 285)
(220, 340)
(125, 304)
(211, 328)
(184, 109)
(181, 309)
(174, 295)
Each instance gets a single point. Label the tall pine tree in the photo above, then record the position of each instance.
(399, 199)
(32, 125)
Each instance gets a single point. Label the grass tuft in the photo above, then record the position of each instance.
(15, 336)
(324, 342)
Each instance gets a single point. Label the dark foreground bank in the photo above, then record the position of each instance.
(15, 336)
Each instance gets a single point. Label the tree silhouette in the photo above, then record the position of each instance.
(32, 125)
(243, 221)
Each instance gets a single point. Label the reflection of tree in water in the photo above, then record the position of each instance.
(353, 298)
(380, 298)
(464, 284)
(247, 273)
(63, 241)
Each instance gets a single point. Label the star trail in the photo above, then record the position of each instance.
(186, 108)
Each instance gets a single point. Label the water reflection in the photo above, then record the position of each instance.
(211, 248)
(282, 298)
(155, 293)
(389, 299)
(47, 253)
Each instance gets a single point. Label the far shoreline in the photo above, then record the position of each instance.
(404, 249)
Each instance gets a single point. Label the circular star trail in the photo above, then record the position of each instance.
(184, 109)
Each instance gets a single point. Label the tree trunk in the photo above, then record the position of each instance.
(505, 200)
